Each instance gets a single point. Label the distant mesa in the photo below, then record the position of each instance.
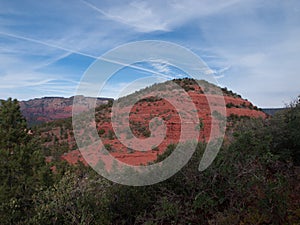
(272, 111)
(46, 109)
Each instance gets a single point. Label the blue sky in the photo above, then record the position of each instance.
(251, 46)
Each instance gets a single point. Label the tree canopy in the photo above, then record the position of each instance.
(22, 166)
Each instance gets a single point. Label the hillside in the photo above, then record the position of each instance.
(60, 133)
(253, 180)
(47, 109)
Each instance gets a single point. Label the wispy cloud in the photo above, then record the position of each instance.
(161, 66)
(138, 15)
(149, 16)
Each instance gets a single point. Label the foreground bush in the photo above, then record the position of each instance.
(253, 180)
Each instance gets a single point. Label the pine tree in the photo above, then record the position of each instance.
(12, 125)
(23, 171)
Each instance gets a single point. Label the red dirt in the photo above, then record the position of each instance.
(143, 112)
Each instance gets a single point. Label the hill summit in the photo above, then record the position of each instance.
(143, 117)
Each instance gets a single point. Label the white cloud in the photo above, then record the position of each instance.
(156, 15)
(260, 42)
(138, 15)
(161, 66)
(31, 85)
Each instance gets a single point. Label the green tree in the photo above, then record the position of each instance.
(22, 167)
(12, 125)
(284, 127)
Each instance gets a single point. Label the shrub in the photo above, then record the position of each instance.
(101, 132)
(229, 105)
(108, 147)
(111, 135)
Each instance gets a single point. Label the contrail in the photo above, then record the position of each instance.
(119, 19)
(84, 54)
(47, 44)
(96, 8)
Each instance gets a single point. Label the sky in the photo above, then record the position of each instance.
(251, 46)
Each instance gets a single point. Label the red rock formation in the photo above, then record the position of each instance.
(48, 109)
(142, 113)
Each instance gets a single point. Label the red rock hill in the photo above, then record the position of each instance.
(143, 111)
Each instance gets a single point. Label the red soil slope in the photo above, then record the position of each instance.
(142, 113)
